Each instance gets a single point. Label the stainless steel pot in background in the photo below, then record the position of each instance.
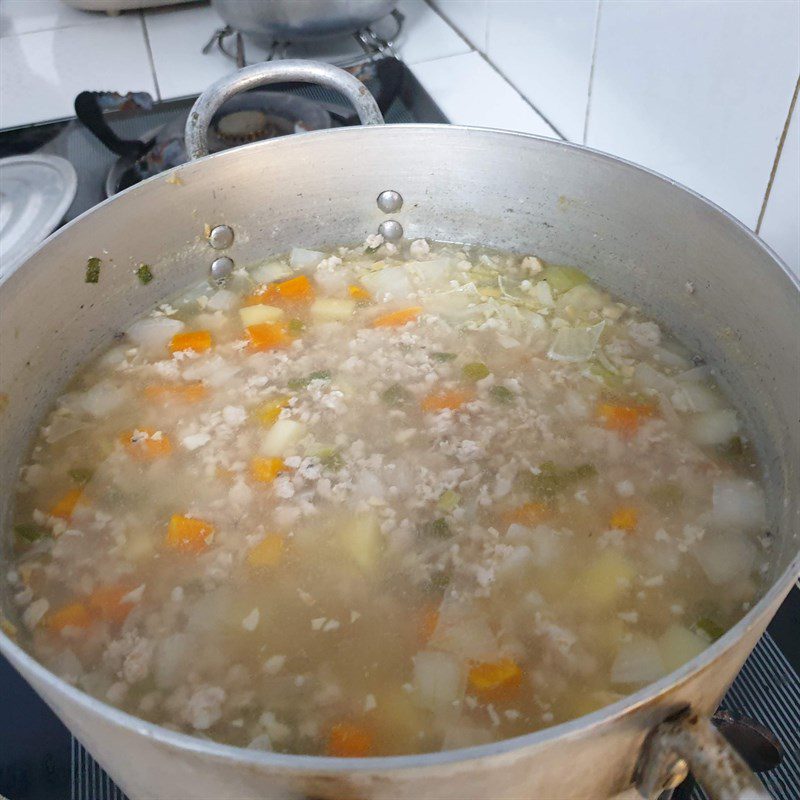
(268, 21)
(641, 236)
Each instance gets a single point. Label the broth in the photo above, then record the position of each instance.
(385, 500)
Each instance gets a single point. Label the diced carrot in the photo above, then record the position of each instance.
(625, 518)
(428, 620)
(394, 319)
(265, 470)
(72, 615)
(106, 602)
(495, 679)
(268, 336)
(165, 393)
(453, 399)
(267, 553)
(527, 514)
(291, 292)
(625, 419)
(358, 293)
(187, 534)
(270, 411)
(66, 504)
(349, 740)
(194, 340)
(146, 444)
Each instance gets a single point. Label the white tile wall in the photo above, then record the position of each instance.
(27, 16)
(469, 17)
(42, 71)
(545, 48)
(479, 97)
(780, 227)
(697, 90)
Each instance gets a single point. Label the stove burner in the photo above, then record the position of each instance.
(371, 43)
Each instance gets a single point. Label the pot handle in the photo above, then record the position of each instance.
(689, 742)
(298, 70)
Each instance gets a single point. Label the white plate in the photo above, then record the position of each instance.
(35, 193)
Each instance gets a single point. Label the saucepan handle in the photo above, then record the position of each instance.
(691, 742)
(291, 70)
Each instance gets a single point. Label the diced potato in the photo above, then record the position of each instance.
(606, 580)
(361, 537)
(679, 645)
(332, 308)
(253, 315)
(281, 439)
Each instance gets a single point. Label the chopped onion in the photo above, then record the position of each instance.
(102, 398)
(432, 274)
(153, 333)
(694, 397)
(272, 271)
(738, 503)
(575, 344)
(701, 373)
(390, 283)
(679, 645)
(62, 426)
(725, 557)
(464, 632)
(582, 299)
(456, 306)
(221, 300)
(648, 378)
(215, 371)
(543, 294)
(299, 258)
(638, 661)
(713, 427)
(439, 679)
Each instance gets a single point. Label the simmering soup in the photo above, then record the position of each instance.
(385, 500)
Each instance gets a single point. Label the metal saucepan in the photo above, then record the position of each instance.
(268, 21)
(643, 237)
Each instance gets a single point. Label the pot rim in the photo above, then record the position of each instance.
(328, 764)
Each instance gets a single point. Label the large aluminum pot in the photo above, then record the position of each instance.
(644, 237)
(268, 21)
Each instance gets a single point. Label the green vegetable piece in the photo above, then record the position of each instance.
(449, 500)
(331, 459)
(562, 279)
(666, 496)
(550, 480)
(443, 357)
(395, 395)
(81, 475)
(438, 583)
(296, 327)
(93, 270)
(301, 383)
(708, 629)
(144, 274)
(29, 532)
(437, 528)
(501, 394)
(611, 380)
(475, 371)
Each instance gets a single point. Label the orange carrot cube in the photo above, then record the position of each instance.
(349, 740)
(268, 336)
(268, 552)
(165, 393)
(359, 293)
(625, 518)
(107, 603)
(265, 470)
(453, 399)
(188, 534)
(146, 444)
(72, 615)
(495, 679)
(624, 419)
(66, 504)
(195, 340)
(395, 319)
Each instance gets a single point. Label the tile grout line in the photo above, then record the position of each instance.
(150, 55)
(494, 67)
(590, 87)
(776, 161)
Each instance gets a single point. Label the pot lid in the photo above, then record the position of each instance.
(35, 193)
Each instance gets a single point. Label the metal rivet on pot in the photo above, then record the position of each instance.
(391, 230)
(221, 268)
(390, 201)
(221, 236)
